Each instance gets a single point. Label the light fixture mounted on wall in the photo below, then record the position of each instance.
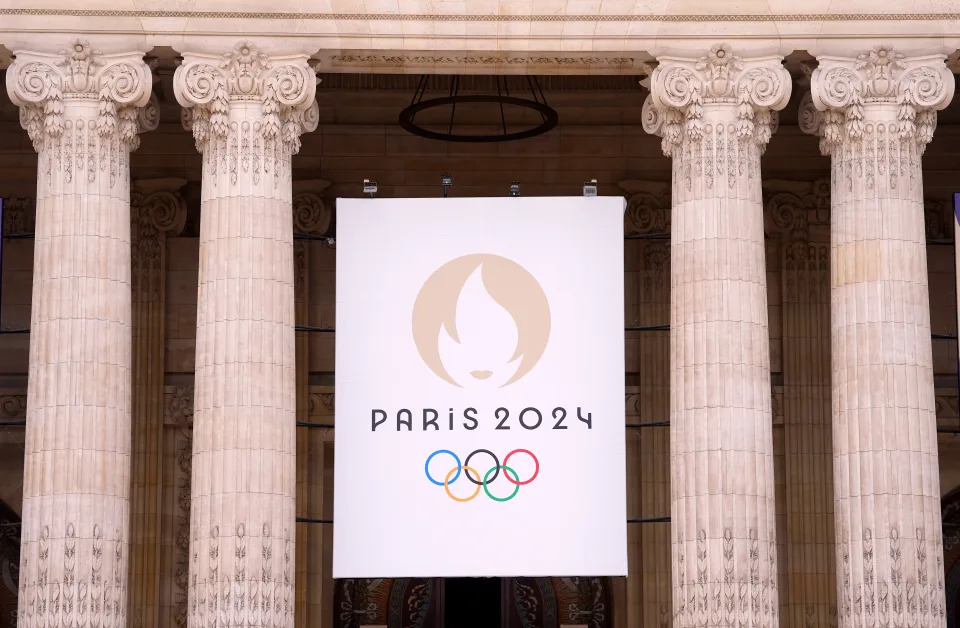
(502, 99)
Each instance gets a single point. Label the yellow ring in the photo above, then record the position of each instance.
(446, 484)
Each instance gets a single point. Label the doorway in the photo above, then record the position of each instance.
(474, 602)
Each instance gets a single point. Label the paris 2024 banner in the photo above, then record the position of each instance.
(480, 388)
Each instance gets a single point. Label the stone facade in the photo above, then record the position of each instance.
(788, 179)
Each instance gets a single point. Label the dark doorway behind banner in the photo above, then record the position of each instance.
(473, 602)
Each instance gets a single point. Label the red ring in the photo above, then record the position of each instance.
(535, 461)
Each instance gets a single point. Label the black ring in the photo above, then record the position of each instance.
(495, 460)
(550, 118)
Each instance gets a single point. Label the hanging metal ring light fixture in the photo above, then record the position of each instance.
(537, 103)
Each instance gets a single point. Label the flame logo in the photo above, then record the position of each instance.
(513, 291)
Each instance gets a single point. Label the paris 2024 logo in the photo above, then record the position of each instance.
(481, 322)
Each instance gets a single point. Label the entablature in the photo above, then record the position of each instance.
(482, 36)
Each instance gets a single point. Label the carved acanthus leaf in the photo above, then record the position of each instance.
(681, 87)
(284, 87)
(40, 83)
(843, 88)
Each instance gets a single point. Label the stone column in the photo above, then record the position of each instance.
(716, 114)
(82, 110)
(798, 218)
(647, 267)
(875, 113)
(157, 210)
(248, 111)
(311, 216)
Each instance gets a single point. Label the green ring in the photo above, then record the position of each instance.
(516, 487)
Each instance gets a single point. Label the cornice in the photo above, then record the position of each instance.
(442, 17)
(597, 43)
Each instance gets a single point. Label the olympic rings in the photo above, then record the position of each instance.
(496, 465)
(446, 484)
(484, 480)
(535, 461)
(506, 471)
(426, 465)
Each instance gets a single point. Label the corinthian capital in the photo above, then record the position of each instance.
(285, 88)
(43, 84)
(844, 90)
(681, 87)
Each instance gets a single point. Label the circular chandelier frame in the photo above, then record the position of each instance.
(538, 103)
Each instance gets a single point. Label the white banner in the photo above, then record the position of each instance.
(480, 388)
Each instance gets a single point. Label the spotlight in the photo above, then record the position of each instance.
(446, 181)
(515, 188)
(590, 188)
(369, 187)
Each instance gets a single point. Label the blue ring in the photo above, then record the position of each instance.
(426, 466)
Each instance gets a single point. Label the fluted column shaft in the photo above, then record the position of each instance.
(247, 114)
(157, 210)
(800, 212)
(876, 114)
(81, 109)
(311, 216)
(716, 114)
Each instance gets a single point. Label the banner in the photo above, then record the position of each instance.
(479, 388)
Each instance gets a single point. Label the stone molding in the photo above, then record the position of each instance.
(40, 83)
(490, 17)
(285, 88)
(605, 32)
(487, 61)
(484, 78)
(843, 91)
